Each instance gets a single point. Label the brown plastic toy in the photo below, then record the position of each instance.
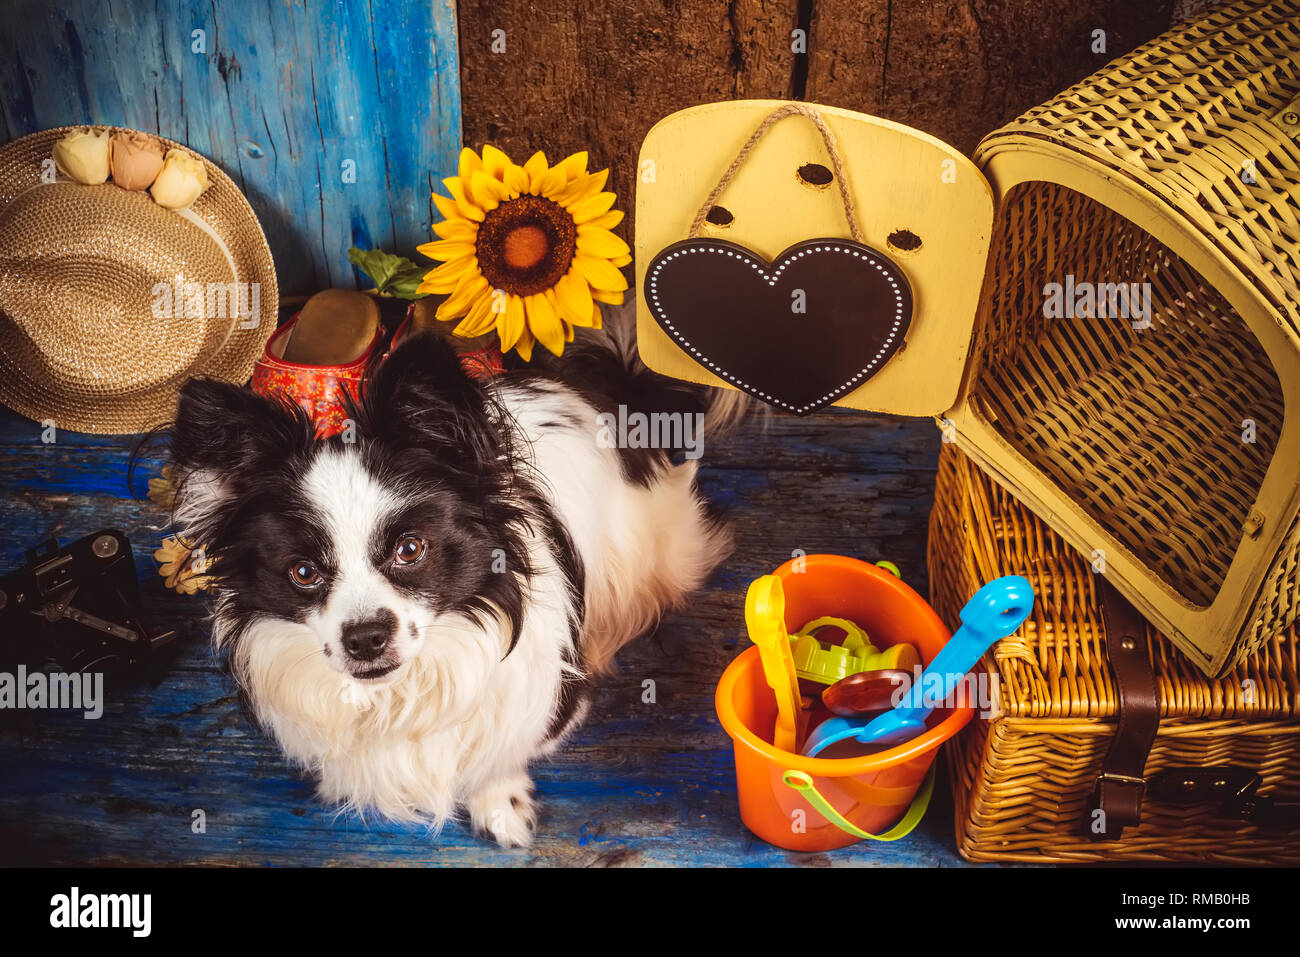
(867, 691)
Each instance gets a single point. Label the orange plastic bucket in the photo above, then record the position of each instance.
(780, 792)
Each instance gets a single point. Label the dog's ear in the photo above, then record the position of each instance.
(421, 396)
(224, 427)
(223, 441)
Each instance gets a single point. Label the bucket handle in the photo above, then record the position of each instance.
(803, 784)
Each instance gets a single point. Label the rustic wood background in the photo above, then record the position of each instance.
(597, 74)
(285, 92)
(282, 95)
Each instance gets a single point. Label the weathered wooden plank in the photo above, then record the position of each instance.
(961, 68)
(626, 791)
(833, 440)
(679, 810)
(291, 99)
(774, 513)
(597, 75)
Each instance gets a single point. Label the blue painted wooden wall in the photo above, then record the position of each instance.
(286, 96)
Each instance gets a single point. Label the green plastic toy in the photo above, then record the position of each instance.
(827, 662)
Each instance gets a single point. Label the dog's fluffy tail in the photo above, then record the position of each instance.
(608, 363)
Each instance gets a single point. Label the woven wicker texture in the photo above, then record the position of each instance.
(1144, 431)
(1186, 114)
(80, 341)
(1021, 780)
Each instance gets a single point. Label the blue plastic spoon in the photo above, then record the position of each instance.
(997, 610)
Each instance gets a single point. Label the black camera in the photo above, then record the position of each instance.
(76, 609)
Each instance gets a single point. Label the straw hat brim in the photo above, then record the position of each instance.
(30, 388)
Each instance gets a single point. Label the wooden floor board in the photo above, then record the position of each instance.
(639, 784)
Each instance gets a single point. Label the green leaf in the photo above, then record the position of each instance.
(393, 275)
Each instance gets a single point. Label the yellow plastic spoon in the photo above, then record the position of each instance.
(765, 620)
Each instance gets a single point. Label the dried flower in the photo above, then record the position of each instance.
(83, 155)
(135, 159)
(183, 568)
(182, 179)
(162, 489)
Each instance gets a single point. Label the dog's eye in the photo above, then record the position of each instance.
(409, 550)
(305, 575)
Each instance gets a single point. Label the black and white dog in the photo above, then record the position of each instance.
(414, 610)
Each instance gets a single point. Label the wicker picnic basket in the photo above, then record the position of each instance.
(1147, 466)
(1168, 450)
(1024, 779)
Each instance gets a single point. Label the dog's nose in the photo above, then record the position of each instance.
(366, 640)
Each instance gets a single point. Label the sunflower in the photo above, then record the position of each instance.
(526, 250)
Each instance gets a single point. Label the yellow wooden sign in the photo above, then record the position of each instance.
(918, 200)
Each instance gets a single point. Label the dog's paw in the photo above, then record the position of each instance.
(505, 810)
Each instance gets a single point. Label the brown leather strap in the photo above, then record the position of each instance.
(1117, 795)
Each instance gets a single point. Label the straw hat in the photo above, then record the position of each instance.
(101, 320)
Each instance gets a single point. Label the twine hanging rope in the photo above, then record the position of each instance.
(780, 113)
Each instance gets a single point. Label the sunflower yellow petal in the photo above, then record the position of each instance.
(566, 327)
(606, 220)
(573, 166)
(481, 319)
(448, 249)
(621, 261)
(599, 272)
(589, 209)
(445, 278)
(525, 345)
(600, 242)
(550, 184)
(453, 269)
(515, 180)
(471, 286)
(544, 323)
(574, 296)
(535, 168)
(468, 208)
(511, 325)
(447, 208)
(607, 297)
(596, 318)
(457, 228)
(429, 287)
(469, 162)
(584, 187)
(495, 161)
(487, 191)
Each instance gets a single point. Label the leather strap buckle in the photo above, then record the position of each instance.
(1110, 776)
(1121, 787)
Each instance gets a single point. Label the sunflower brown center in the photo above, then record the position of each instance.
(526, 245)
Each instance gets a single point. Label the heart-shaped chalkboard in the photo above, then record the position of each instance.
(797, 333)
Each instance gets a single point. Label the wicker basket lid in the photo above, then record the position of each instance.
(109, 302)
(1205, 117)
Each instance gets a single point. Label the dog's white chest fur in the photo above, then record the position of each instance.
(459, 721)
